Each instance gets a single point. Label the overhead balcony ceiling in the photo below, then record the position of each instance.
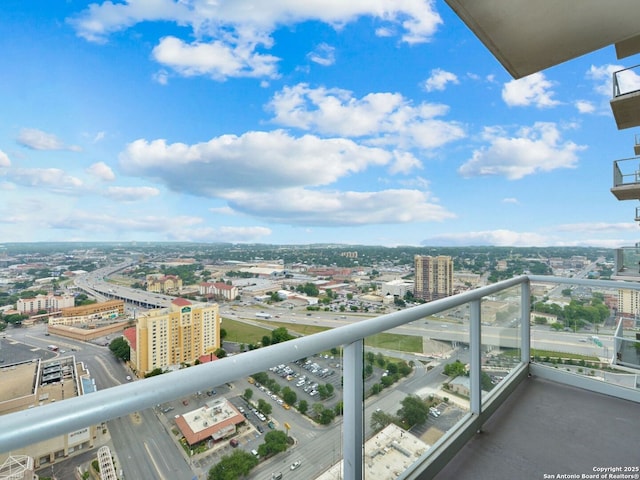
(529, 36)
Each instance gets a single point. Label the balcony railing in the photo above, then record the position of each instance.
(471, 311)
(626, 179)
(626, 97)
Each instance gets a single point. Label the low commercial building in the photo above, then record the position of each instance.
(217, 420)
(89, 315)
(387, 454)
(36, 382)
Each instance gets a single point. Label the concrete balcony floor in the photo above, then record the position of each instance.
(551, 428)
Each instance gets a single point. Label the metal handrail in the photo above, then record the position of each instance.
(29, 426)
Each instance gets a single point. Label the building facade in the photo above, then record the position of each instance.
(628, 302)
(89, 314)
(34, 383)
(164, 284)
(50, 303)
(180, 334)
(433, 277)
(218, 289)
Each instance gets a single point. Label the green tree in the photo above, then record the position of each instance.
(326, 416)
(120, 348)
(414, 411)
(280, 335)
(154, 372)
(380, 419)
(234, 466)
(289, 396)
(264, 407)
(455, 369)
(303, 406)
(248, 393)
(371, 357)
(274, 442)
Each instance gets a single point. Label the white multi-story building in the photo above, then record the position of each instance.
(49, 302)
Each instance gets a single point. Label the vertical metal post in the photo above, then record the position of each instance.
(352, 426)
(525, 319)
(475, 361)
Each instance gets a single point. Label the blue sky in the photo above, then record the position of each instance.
(365, 122)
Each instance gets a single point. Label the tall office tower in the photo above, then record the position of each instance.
(180, 334)
(433, 277)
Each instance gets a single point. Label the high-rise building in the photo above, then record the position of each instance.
(180, 334)
(433, 277)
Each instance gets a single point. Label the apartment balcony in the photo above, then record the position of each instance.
(626, 178)
(627, 263)
(542, 414)
(625, 103)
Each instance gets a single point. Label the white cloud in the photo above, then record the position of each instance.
(216, 59)
(323, 54)
(254, 161)
(225, 210)
(500, 237)
(510, 200)
(234, 29)
(54, 178)
(107, 223)
(102, 171)
(597, 227)
(603, 78)
(99, 137)
(4, 159)
(131, 194)
(39, 140)
(534, 149)
(509, 238)
(161, 76)
(439, 80)
(332, 208)
(379, 118)
(222, 234)
(531, 90)
(585, 106)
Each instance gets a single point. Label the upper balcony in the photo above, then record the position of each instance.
(527, 37)
(532, 390)
(626, 178)
(625, 103)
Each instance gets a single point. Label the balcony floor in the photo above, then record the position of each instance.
(550, 428)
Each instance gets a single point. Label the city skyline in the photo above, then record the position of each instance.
(371, 123)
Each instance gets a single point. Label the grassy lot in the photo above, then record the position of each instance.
(243, 333)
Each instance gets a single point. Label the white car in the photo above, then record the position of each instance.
(295, 465)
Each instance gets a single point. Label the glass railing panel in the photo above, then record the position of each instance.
(580, 329)
(409, 404)
(501, 335)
